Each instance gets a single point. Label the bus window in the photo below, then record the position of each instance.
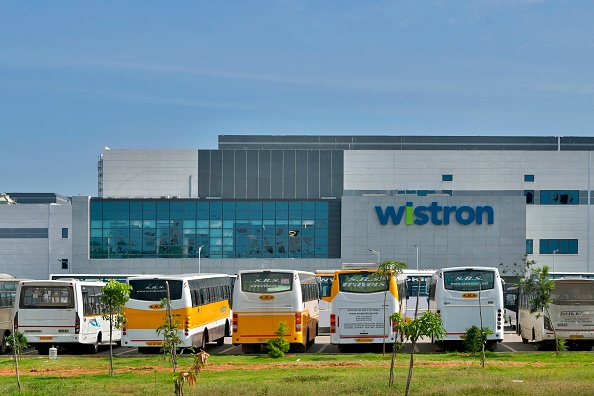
(266, 282)
(468, 280)
(155, 289)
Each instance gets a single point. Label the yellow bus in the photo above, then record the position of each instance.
(325, 278)
(201, 306)
(264, 298)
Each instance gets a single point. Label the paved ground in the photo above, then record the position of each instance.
(511, 343)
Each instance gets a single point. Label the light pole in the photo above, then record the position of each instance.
(199, 251)
(554, 254)
(379, 255)
(417, 247)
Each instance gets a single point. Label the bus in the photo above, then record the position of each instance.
(89, 277)
(264, 298)
(467, 296)
(62, 313)
(325, 279)
(571, 314)
(8, 286)
(361, 305)
(417, 284)
(200, 303)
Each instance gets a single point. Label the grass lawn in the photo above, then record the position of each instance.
(347, 374)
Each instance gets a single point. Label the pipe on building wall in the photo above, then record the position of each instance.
(589, 207)
(190, 186)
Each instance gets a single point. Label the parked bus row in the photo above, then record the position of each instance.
(353, 305)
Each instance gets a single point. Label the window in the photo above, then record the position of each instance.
(529, 246)
(447, 178)
(65, 233)
(559, 197)
(528, 178)
(266, 282)
(361, 283)
(224, 229)
(64, 263)
(469, 280)
(558, 246)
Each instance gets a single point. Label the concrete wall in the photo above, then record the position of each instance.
(35, 258)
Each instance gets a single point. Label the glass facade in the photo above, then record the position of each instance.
(179, 228)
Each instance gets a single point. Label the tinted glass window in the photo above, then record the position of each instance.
(40, 297)
(361, 282)
(155, 289)
(469, 280)
(266, 282)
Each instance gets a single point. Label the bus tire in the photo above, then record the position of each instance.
(221, 341)
(3, 345)
(204, 340)
(93, 348)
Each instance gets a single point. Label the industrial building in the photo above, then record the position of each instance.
(315, 202)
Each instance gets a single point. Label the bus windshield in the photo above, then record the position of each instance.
(573, 292)
(40, 297)
(468, 280)
(362, 282)
(266, 282)
(155, 289)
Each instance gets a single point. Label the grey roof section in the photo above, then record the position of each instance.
(339, 142)
(39, 198)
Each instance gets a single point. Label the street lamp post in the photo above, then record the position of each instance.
(554, 254)
(379, 255)
(417, 247)
(199, 251)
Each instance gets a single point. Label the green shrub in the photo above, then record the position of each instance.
(475, 338)
(277, 347)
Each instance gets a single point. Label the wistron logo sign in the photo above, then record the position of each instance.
(436, 214)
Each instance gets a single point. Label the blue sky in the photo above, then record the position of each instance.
(77, 76)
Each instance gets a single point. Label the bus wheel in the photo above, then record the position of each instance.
(3, 345)
(221, 341)
(204, 340)
(94, 347)
(312, 341)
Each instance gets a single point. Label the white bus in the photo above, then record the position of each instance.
(201, 306)
(463, 297)
(66, 313)
(264, 298)
(325, 279)
(417, 284)
(90, 277)
(8, 286)
(571, 314)
(361, 305)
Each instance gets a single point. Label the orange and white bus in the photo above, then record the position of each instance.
(201, 305)
(264, 298)
(361, 305)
